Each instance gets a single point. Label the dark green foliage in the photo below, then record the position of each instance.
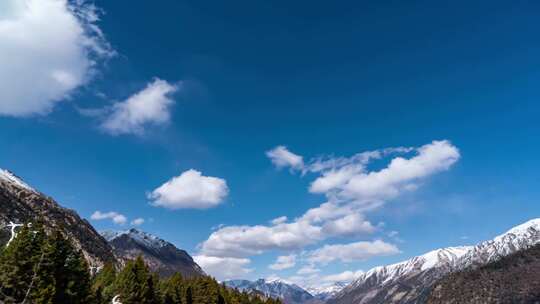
(103, 284)
(47, 269)
(18, 264)
(135, 284)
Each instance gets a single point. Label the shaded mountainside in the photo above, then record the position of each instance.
(277, 289)
(512, 279)
(21, 203)
(160, 256)
(411, 281)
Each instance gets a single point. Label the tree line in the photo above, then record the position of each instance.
(45, 268)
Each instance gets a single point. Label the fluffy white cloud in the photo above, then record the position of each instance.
(48, 49)
(281, 157)
(190, 190)
(137, 222)
(284, 262)
(358, 251)
(317, 224)
(223, 268)
(346, 276)
(352, 191)
(151, 106)
(353, 182)
(116, 217)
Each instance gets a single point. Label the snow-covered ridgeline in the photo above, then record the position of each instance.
(454, 258)
(143, 238)
(10, 178)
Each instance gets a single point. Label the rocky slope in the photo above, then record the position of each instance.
(512, 279)
(278, 289)
(160, 256)
(411, 281)
(21, 203)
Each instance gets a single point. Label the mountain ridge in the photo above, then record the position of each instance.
(161, 256)
(410, 281)
(288, 292)
(21, 203)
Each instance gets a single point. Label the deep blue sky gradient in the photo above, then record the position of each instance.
(321, 78)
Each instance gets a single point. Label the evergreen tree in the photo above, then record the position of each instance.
(63, 275)
(18, 263)
(102, 285)
(189, 295)
(135, 284)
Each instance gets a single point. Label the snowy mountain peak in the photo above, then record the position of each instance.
(327, 291)
(11, 178)
(275, 288)
(143, 238)
(385, 282)
(529, 227)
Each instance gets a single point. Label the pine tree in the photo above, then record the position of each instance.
(63, 276)
(18, 262)
(135, 284)
(102, 285)
(189, 295)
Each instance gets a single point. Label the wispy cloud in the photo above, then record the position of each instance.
(284, 262)
(149, 107)
(351, 189)
(116, 217)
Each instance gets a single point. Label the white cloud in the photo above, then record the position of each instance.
(284, 262)
(223, 268)
(358, 251)
(346, 276)
(151, 106)
(348, 225)
(49, 48)
(190, 190)
(400, 175)
(308, 270)
(281, 157)
(137, 222)
(279, 220)
(116, 217)
(352, 191)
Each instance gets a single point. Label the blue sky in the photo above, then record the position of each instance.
(101, 108)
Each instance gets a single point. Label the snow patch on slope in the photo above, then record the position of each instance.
(9, 177)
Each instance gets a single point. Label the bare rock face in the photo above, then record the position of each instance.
(21, 203)
(160, 256)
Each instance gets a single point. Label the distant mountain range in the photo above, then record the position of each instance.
(160, 255)
(289, 293)
(494, 271)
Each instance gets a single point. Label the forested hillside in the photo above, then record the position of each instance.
(39, 267)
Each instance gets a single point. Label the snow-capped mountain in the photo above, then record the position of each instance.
(160, 255)
(289, 293)
(410, 281)
(326, 292)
